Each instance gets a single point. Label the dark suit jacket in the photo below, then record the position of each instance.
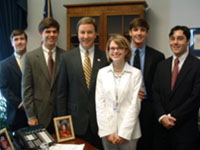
(152, 58)
(182, 103)
(39, 92)
(10, 85)
(73, 96)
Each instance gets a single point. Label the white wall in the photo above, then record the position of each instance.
(162, 15)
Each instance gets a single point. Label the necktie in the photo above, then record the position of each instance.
(136, 62)
(21, 62)
(50, 64)
(174, 73)
(87, 69)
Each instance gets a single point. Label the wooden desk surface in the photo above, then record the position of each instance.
(78, 141)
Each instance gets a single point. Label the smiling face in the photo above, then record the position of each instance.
(178, 43)
(138, 36)
(117, 53)
(19, 43)
(49, 37)
(86, 35)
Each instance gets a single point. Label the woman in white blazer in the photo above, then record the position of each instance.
(117, 101)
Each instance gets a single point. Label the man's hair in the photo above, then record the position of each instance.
(86, 20)
(186, 31)
(138, 22)
(17, 32)
(47, 23)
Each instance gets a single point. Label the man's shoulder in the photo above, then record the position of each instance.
(8, 59)
(154, 51)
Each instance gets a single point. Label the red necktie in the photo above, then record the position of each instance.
(174, 73)
(50, 64)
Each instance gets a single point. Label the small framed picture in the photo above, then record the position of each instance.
(64, 128)
(5, 142)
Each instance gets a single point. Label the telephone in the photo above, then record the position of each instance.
(31, 138)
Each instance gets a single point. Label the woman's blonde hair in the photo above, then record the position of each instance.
(122, 42)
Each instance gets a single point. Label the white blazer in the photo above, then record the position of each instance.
(125, 122)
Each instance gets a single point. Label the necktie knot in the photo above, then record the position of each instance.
(176, 61)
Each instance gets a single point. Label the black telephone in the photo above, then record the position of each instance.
(31, 138)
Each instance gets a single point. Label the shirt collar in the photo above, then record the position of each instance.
(182, 57)
(17, 55)
(47, 50)
(142, 49)
(83, 49)
(125, 69)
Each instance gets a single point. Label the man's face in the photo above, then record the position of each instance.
(49, 37)
(138, 35)
(178, 43)
(19, 43)
(86, 35)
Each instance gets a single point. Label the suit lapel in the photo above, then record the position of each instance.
(147, 62)
(185, 68)
(96, 65)
(14, 65)
(56, 66)
(42, 64)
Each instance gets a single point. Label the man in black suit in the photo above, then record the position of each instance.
(149, 58)
(75, 96)
(176, 93)
(10, 81)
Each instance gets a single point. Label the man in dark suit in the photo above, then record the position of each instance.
(10, 81)
(176, 93)
(148, 60)
(75, 96)
(40, 73)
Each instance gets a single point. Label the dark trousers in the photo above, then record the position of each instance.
(91, 138)
(146, 118)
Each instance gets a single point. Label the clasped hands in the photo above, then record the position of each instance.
(115, 139)
(168, 121)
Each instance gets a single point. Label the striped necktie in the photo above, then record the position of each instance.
(87, 68)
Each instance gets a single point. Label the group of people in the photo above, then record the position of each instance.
(126, 98)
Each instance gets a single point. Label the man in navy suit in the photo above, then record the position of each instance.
(74, 96)
(177, 97)
(10, 81)
(149, 58)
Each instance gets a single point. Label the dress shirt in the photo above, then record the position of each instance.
(142, 58)
(17, 56)
(46, 55)
(83, 52)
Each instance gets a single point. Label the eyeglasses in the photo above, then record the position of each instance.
(116, 48)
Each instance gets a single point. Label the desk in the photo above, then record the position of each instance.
(77, 141)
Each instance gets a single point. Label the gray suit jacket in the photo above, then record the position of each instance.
(73, 96)
(38, 91)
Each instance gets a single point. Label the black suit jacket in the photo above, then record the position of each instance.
(182, 103)
(73, 96)
(10, 85)
(152, 58)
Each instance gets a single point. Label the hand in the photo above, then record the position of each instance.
(141, 93)
(120, 140)
(168, 121)
(33, 121)
(112, 138)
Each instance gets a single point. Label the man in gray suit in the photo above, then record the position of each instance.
(40, 73)
(75, 96)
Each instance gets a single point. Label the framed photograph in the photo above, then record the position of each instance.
(5, 142)
(64, 128)
(194, 46)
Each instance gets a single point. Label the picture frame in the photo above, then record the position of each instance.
(64, 128)
(5, 142)
(194, 46)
